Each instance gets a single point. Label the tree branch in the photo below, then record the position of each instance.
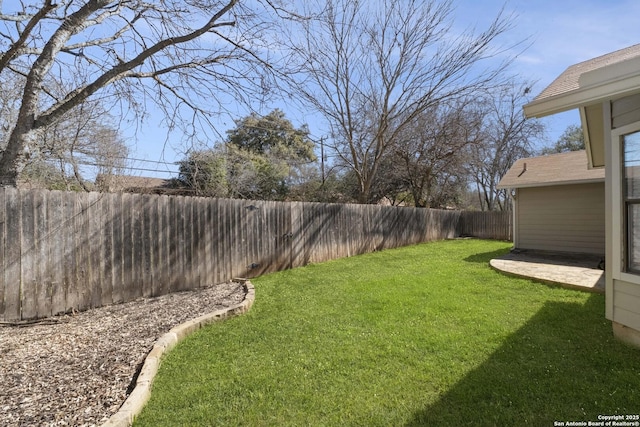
(26, 32)
(119, 71)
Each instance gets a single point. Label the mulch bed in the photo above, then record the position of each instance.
(77, 370)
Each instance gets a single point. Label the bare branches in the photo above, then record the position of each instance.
(372, 68)
(120, 70)
(25, 33)
(176, 53)
(507, 136)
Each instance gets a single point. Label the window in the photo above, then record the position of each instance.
(631, 200)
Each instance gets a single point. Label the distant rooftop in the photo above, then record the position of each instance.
(554, 169)
(128, 183)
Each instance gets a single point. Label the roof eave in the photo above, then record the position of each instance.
(549, 184)
(580, 97)
(597, 85)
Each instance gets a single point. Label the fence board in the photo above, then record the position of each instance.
(68, 237)
(83, 251)
(106, 207)
(235, 238)
(173, 227)
(262, 236)
(94, 247)
(117, 230)
(148, 244)
(198, 251)
(128, 285)
(147, 215)
(205, 243)
(268, 256)
(181, 245)
(252, 213)
(269, 252)
(13, 254)
(3, 243)
(243, 249)
(164, 236)
(223, 239)
(28, 297)
(189, 276)
(216, 257)
(137, 260)
(41, 249)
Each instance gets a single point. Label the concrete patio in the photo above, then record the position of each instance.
(567, 270)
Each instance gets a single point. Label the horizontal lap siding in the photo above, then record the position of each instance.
(626, 300)
(625, 111)
(568, 218)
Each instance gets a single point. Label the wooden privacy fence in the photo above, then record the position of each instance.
(487, 225)
(71, 251)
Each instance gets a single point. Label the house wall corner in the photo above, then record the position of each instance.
(626, 334)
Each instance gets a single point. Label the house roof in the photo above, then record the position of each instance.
(587, 82)
(128, 182)
(555, 169)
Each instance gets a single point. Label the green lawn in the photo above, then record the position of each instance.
(425, 335)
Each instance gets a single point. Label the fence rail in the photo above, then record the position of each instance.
(72, 251)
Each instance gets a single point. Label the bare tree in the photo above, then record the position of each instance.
(185, 56)
(370, 68)
(432, 152)
(85, 139)
(507, 137)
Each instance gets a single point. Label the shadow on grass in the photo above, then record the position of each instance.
(485, 257)
(563, 364)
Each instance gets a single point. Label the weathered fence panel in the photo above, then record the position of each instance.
(487, 225)
(72, 251)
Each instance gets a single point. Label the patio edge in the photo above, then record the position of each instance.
(511, 268)
(140, 395)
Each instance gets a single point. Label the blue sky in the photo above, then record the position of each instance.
(559, 33)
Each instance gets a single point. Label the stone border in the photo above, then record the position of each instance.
(133, 405)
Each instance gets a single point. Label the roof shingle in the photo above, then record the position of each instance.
(554, 169)
(569, 80)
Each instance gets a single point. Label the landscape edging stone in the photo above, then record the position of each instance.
(140, 395)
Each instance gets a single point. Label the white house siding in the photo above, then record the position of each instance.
(566, 218)
(613, 79)
(623, 290)
(626, 301)
(622, 308)
(625, 111)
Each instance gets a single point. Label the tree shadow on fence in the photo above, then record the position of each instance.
(74, 251)
(559, 366)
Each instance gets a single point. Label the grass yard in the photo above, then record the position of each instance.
(427, 335)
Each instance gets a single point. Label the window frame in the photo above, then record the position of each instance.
(620, 209)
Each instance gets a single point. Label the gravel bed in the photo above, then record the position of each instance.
(77, 370)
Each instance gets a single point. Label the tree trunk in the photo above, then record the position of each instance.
(12, 159)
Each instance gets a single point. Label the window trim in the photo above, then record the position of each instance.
(627, 237)
(619, 208)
